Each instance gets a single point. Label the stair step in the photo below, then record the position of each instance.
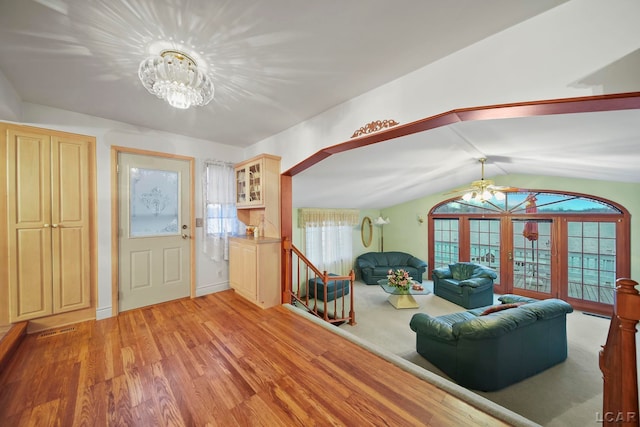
(10, 342)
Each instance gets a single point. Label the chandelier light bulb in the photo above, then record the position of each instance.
(175, 77)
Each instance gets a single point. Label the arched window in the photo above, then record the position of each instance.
(543, 244)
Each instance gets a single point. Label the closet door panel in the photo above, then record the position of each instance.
(70, 218)
(31, 290)
(29, 224)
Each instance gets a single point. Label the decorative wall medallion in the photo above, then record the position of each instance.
(375, 126)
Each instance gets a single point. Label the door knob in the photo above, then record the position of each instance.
(46, 225)
(185, 236)
(54, 225)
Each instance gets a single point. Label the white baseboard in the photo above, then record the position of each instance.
(212, 288)
(103, 313)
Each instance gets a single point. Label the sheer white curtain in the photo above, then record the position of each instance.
(329, 238)
(220, 220)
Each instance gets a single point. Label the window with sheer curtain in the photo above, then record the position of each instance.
(328, 235)
(220, 219)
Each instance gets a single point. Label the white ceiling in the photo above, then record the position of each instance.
(276, 63)
(600, 145)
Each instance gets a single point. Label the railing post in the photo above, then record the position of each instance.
(286, 294)
(352, 311)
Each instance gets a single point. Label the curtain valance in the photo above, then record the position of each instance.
(309, 216)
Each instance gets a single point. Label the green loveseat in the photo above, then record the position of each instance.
(487, 352)
(464, 283)
(374, 266)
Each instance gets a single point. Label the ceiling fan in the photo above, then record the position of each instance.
(483, 190)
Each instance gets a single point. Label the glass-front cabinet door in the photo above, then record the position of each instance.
(249, 185)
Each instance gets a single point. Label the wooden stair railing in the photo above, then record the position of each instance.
(299, 271)
(618, 359)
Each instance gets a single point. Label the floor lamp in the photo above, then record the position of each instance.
(382, 222)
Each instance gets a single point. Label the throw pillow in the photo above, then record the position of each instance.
(500, 307)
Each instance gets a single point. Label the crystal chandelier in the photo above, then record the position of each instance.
(174, 76)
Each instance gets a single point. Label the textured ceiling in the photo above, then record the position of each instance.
(274, 63)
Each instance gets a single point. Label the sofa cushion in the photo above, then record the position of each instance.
(493, 326)
(549, 308)
(461, 270)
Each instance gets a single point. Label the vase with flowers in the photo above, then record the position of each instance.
(399, 279)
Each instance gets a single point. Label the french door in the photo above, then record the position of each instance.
(530, 256)
(572, 258)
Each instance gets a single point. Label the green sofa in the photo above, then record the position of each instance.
(374, 266)
(487, 352)
(464, 283)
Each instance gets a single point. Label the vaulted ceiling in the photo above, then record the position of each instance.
(276, 63)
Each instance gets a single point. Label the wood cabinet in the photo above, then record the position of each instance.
(49, 222)
(254, 269)
(258, 193)
(254, 262)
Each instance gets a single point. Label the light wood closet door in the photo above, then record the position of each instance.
(48, 224)
(70, 221)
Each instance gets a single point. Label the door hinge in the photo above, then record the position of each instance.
(117, 168)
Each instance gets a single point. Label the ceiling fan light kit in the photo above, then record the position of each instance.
(483, 190)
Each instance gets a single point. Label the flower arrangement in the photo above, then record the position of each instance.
(399, 278)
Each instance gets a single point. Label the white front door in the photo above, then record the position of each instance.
(154, 235)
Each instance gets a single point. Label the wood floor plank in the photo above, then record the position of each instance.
(216, 360)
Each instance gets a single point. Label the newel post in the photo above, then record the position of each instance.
(627, 309)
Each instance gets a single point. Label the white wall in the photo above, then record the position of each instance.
(210, 276)
(546, 57)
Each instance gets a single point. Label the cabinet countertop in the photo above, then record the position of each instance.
(259, 240)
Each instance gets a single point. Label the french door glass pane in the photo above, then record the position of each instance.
(485, 242)
(154, 207)
(532, 255)
(592, 260)
(445, 239)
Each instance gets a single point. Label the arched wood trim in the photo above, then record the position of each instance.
(588, 104)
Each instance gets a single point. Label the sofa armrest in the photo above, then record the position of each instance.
(481, 271)
(476, 282)
(416, 263)
(422, 323)
(442, 273)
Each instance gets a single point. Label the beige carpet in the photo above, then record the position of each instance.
(568, 394)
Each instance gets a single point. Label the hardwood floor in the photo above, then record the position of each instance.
(215, 360)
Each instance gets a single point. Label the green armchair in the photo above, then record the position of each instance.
(467, 284)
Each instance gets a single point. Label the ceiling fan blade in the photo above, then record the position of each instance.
(459, 190)
(503, 188)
